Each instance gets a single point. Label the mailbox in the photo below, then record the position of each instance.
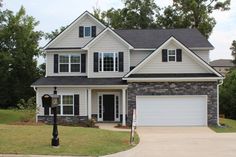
(51, 100)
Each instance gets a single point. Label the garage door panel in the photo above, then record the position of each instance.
(171, 110)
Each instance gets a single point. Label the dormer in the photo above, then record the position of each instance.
(78, 33)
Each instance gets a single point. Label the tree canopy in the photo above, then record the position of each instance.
(228, 96)
(18, 49)
(233, 49)
(192, 14)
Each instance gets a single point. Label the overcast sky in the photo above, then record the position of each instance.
(55, 13)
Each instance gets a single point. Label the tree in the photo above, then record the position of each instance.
(192, 14)
(54, 33)
(137, 14)
(228, 96)
(233, 49)
(18, 49)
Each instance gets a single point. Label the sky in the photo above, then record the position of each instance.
(53, 14)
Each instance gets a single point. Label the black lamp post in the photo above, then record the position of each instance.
(55, 139)
(52, 101)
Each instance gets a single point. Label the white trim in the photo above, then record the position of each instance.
(173, 79)
(123, 107)
(100, 35)
(115, 54)
(71, 25)
(89, 103)
(109, 93)
(164, 45)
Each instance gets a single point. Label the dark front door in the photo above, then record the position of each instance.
(108, 107)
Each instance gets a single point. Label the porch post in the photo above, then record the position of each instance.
(89, 104)
(123, 107)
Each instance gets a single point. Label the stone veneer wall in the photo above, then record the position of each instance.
(175, 88)
(63, 119)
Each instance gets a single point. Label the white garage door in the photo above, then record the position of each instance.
(171, 110)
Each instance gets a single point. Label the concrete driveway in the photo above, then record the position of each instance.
(181, 142)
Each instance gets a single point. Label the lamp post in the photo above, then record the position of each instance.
(55, 139)
(52, 101)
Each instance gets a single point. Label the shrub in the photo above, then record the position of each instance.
(29, 104)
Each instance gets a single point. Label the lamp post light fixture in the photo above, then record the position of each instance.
(52, 101)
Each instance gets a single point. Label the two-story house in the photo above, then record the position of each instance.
(103, 73)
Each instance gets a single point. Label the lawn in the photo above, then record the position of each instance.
(15, 116)
(229, 125)
(36, 139)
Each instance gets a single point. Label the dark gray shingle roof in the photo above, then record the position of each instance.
(222, 63)
(153, 38)
(78, 80)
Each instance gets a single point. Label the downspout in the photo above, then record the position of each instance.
(218, 101)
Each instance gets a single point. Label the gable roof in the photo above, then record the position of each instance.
(148, 58)
(71, 24)
(153, 38)
(101, 34)
(222, 63)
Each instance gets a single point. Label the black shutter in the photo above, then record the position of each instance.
(81, 31)
(164, 55)
(121, 61)
(76, 104)
(55, 63)
(179, 55)
(95, 62)
(93, 31)
(83, 63)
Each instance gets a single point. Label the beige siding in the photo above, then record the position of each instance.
(204, 54)
(50, 64)
(188, 64)
(63, 91)
(136, 56)
(71, 37)
(108, 43)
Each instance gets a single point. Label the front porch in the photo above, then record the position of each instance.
(107, 105)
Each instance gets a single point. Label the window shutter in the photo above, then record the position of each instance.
(76, 104)
(121, 61)
(93, 31)
(55, 63)
(81, 31)
(164, 55)
(83, 63)
(179, 55)
(95, 62)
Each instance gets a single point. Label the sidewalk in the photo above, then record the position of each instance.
(16, 155)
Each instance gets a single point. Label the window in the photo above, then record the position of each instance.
(64, 63)
(171, 55)
(67, 104)
(69, 63)
(87, 31)
(75, 63)
(108, 61)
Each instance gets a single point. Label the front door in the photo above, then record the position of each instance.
(108, 107)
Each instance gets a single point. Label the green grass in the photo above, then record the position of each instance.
(229, 125)
(18, 139)
(14, 116)
(36, 139)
